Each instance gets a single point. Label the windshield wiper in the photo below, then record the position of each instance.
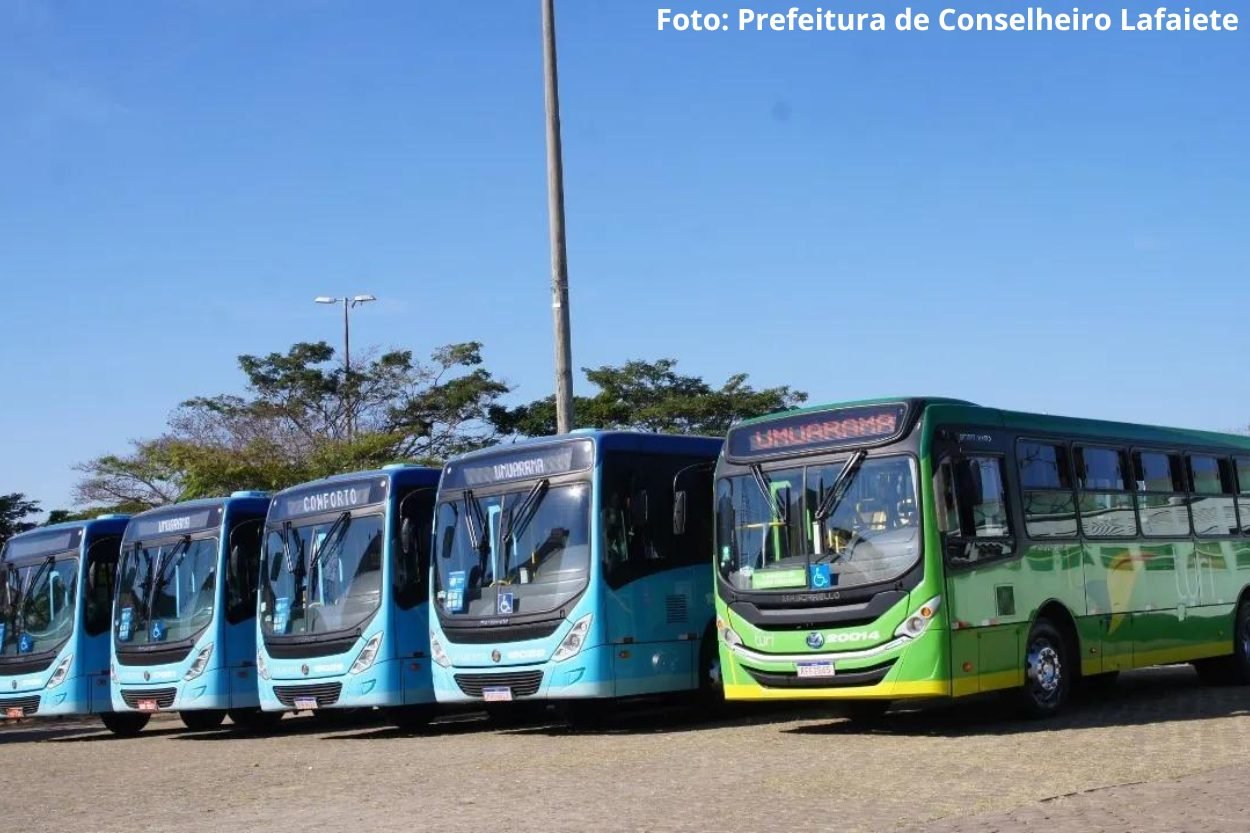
(165, 568)
(837, 491)
(336, 531)
(766, 489)
(475, 522)
(525, 512)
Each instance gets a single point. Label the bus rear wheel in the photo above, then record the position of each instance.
(201, 720)
(124, 724)
(254, 720)
(1234, 669)
(1047, 672)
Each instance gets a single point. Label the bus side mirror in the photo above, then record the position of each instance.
(679, 513)
(407, 538)
(448, 541)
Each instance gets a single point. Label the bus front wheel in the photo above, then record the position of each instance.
(124, 724)
(1047, 671)
(202, 720)
(255, 720)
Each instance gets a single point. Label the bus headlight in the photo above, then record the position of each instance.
(364, 660)
(437, 652)
(262, 670)
(61, 672)
(572, 644)
(201, 662)
(919, 621)
(730, 637)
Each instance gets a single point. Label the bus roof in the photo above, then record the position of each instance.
(958, 410)
(200, 503)
(405, 472)
(611, 440)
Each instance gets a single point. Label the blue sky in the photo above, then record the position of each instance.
(1052, 222)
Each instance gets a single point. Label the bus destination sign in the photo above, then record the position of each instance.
(41, 543)
(173, 522)
(328, 497)
(525, 464)
(818, 431)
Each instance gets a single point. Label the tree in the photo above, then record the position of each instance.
(14, 509)
(652, 396)
(303, 416)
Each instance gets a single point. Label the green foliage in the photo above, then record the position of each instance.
(304, 417)
(14, 511)
(652, 396)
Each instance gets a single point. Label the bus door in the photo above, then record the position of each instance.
(99, 576)
(411, 563)
(238, 630)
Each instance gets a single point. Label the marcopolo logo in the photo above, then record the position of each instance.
(815, 640)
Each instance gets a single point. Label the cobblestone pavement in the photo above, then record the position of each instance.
(1159, 753)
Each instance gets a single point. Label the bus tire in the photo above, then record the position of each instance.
(124, 724)
(593, 713)
(255, 721)
(1233, 669)
(1047, 672)
(202, 720)
(864, 711)
(711, 677)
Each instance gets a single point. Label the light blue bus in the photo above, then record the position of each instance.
(184, 629)
(575, 569)
(344, 595)
(54, 619)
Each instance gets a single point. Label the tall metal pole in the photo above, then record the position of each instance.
(347, 368)
(555, 212)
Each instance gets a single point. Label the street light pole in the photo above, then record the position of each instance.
(348, 302)
(555, 212)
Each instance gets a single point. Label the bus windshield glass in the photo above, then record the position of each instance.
(522, 552)
(165, 592)
(37, 605)
(851, 522)
(321, 576)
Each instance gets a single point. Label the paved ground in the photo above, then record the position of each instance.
(1160, 753)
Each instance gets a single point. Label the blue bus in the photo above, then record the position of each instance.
(54, 619)
(575, 569)
(344, 595)
(184, 629)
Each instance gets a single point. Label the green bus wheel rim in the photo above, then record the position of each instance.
(1045, 670)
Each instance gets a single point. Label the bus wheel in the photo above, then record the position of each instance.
(1047, 673)
(124, 724)
(202, 720)
(1235, 669)
(411, 718)
(711, 679)
(255, 720)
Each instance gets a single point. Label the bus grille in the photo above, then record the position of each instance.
(164, 697)
(28, 705)
(790, 679)
(522, 683)
(327, 694)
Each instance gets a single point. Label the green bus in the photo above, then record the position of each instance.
(931, 548)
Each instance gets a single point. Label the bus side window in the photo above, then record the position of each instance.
(411, 547)
(974, 504)
(101, 577)
(243, 570)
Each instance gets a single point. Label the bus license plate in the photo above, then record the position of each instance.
(305, 703)
(147, 705)
(14, 713)
(497, 695)
(815, 669)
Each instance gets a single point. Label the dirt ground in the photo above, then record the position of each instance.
(1156, 753)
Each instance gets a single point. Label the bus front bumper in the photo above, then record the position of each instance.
(580, 677)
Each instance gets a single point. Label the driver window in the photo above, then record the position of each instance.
(412, 547)
(975, 499)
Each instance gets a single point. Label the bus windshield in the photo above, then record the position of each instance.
(517, 553)
(165, 592)
(851, 522)
(37, 605)
(321, 577)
